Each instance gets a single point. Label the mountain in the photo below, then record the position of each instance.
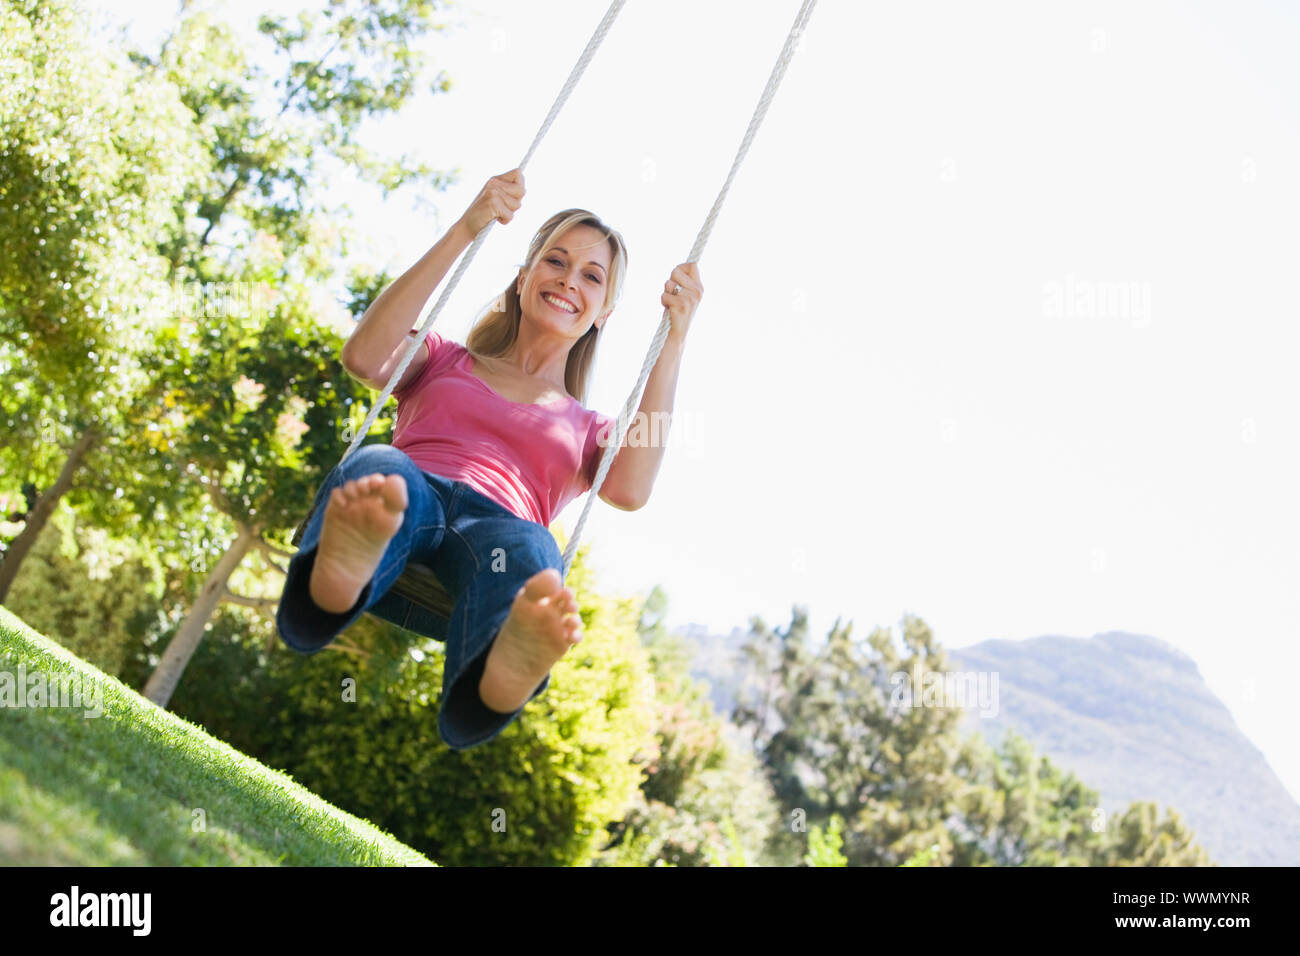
(1128, 714)
(1132, 717)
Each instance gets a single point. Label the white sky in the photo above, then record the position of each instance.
(882, 408)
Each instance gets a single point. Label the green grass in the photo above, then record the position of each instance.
(126, 788)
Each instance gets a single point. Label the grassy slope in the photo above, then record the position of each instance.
(122, 788)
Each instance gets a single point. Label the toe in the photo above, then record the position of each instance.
(542, 584)
(394, 492)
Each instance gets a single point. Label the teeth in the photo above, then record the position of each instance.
(562, 304)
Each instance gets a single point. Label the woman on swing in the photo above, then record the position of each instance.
(490, 442)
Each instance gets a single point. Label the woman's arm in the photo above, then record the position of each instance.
(632, 475)
(384, 328)
(382, 332)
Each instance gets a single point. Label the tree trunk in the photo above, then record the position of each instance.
(162, 683)
(40, 513)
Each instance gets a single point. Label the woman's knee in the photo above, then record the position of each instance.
(538, 550)
(379, 459)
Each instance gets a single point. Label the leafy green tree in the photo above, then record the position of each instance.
(1020, 810)
(93, 593)
(259, 421)
(1140, 838)
(926, 857)
(703, 799)
(1017, 809)
(824, 847)
(92, 155)
(140, 184)
(279, 140)
(849, 731)
(251, 406)
(836, 736)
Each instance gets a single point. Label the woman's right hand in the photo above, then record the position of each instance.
(499, 199)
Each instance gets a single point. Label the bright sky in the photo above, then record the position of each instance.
(999, 323)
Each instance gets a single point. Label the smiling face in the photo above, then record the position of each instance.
(566, 289)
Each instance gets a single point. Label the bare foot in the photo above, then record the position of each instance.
(542, 625)
(361, 517)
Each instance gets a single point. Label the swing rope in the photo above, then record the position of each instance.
(665, 324)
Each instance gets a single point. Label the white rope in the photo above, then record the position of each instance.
(418, 341)
(665, 325)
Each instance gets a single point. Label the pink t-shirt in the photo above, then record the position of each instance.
(531, 459)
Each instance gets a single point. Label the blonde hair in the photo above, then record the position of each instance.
(497, 327)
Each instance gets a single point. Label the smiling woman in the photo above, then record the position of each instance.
(575, 257)
(491, 441)
(508, 617)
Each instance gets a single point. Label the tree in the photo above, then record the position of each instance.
(868, 735)
(1140, 838)
(837, 737)
(703, 799)
(253, 404)
(91, 156)
(824, 847)
(93, 593)
(139, 184)
(1018, 810)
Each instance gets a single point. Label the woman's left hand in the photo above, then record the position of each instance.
(682, 304)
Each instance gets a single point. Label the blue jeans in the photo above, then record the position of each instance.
(480, 551)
